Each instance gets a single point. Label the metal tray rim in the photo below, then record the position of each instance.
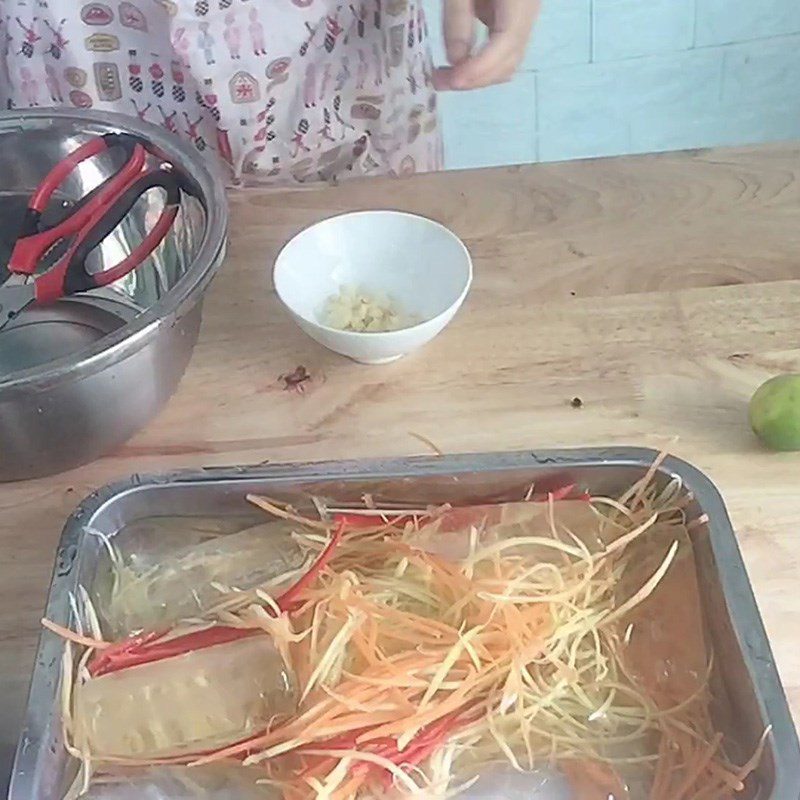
(737, 590)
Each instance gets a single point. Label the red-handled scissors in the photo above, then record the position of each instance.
(85, 226)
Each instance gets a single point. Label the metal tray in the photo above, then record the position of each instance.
(747, 688)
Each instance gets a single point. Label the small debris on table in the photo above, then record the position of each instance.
(295, 380)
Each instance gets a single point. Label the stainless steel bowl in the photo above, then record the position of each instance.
(80, 377)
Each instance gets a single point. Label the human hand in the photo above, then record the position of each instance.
(509, 22)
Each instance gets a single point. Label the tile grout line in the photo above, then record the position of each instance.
(591, 31)
(770, 38)
(536, 153)
(722, 72)
(667, 53)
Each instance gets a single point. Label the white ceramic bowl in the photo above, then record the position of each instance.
(420, 264)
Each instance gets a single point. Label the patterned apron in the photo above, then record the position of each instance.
(280, 90)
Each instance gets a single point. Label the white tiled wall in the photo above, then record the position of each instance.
(726, 21)
(604, 77)
(633, 28)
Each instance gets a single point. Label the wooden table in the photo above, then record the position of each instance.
(660, 290)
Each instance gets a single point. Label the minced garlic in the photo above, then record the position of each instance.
(355, 309)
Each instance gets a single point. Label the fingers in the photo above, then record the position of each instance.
(459, 29)
(510, 23)
(441, 79)
(484, 11)
(496, 62)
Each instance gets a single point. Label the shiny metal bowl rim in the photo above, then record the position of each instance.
(131, 337)
(113, 507)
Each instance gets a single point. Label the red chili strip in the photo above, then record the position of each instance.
(345, 741)
(364, 522)
(417, 750)
(557, 494)
(99, 663)
(148, 648)
(288, 600)
(563, 494)
(416, 754)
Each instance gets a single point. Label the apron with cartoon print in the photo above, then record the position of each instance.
(282, 90)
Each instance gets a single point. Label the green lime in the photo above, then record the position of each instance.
(775, 412)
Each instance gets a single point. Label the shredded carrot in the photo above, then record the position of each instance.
(414, 667)
(72, 636)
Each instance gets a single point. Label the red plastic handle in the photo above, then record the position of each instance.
(70, 276)
(31, 246)
(57, 175)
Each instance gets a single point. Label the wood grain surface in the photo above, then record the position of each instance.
(660, 290)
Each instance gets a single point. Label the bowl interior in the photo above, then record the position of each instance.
(28, 151)
(421, 265)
